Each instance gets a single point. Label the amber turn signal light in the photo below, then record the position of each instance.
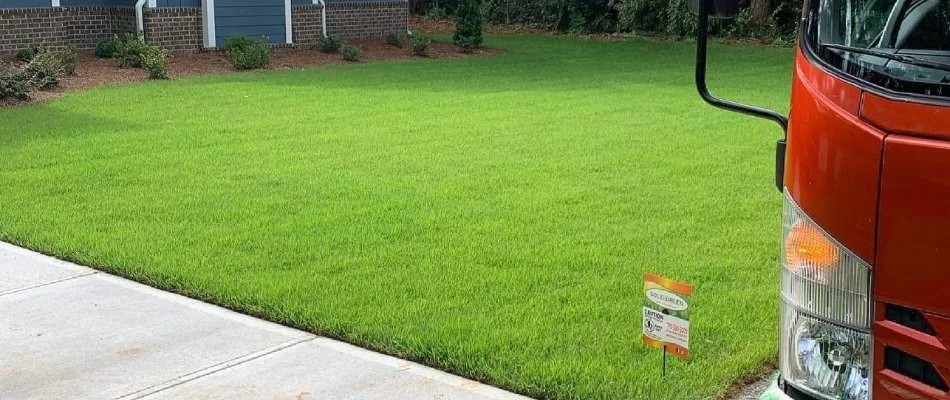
(807, 247)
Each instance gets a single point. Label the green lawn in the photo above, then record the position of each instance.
(491, 216)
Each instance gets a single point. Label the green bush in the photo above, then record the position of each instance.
(238, 43)
(330, 43)
(667, 17)
(577, 24)
(106, 48)
(28, 53)
(436, 13)
(350, 52)
(680, 21)
(67, 59)
(247, 53)
(13, 86)
(135, 53)
(396, 40)
(420, 46)
(42, 72)
(128, 52)
(155, 61)
(468, 25)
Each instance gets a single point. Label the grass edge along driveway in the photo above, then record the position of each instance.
(491, 216)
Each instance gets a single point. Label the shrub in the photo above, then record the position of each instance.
(468, 25)
(155, 61)
(67, 60)
(577, 25)
(436, 13)
(238, 43)
(13, 86)
(395, 40)
(350, 52)
(28, 53)
(330, 43)
(106, 48)
(42, 72)
(247, 53)
(128, 52)
(420, 46)
(667, 17)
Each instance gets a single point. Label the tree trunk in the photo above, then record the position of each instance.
(760, 10)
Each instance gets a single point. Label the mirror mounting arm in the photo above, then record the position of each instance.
(701, 45)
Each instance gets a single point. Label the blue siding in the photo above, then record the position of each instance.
(25, 3)
(255, 18)
(178, 3)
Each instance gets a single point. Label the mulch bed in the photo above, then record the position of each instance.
(92, 71)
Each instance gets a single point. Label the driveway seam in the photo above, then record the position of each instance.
(191, 376)
(409, 367)
(39, 285)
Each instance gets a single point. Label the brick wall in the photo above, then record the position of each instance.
(179, 28)
(174, 28)
(368, 19)
(350, 20)
(306, 24)
(79, 27)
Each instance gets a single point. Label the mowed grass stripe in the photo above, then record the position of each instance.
(491, 216)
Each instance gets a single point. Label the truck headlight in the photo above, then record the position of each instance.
(824, 359)
(825, 327)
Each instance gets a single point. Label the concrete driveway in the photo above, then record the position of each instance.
(67, 331)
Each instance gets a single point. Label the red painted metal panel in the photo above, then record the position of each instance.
(913, 263)
(913, 119)
(835, 90)
(833, 160)
(891, 385)
(912, 267)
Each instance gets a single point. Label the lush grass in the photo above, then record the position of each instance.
(491, 216)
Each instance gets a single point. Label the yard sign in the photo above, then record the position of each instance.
(666, 314)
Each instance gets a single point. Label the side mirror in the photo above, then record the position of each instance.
(722, 9)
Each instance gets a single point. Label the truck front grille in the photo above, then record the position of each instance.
(910, 318)
(913, 367)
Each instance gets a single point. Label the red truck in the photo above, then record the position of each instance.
(864, 169)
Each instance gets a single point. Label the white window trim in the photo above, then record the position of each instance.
(54, 3)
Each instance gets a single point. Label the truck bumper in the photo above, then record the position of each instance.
(774, 392)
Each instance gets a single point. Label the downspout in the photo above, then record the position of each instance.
(140, 18)
(323, 15)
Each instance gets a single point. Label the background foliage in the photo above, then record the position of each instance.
(766, 20)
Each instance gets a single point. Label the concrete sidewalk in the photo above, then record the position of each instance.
(68, 331)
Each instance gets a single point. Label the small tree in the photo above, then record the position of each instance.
(468, 25)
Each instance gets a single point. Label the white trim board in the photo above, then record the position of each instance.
(288, 21)
(207, 23)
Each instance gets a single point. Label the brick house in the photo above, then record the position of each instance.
(192, 25)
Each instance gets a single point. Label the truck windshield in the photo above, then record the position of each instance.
(901, 45)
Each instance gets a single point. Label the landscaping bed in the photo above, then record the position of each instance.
(92, 71)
